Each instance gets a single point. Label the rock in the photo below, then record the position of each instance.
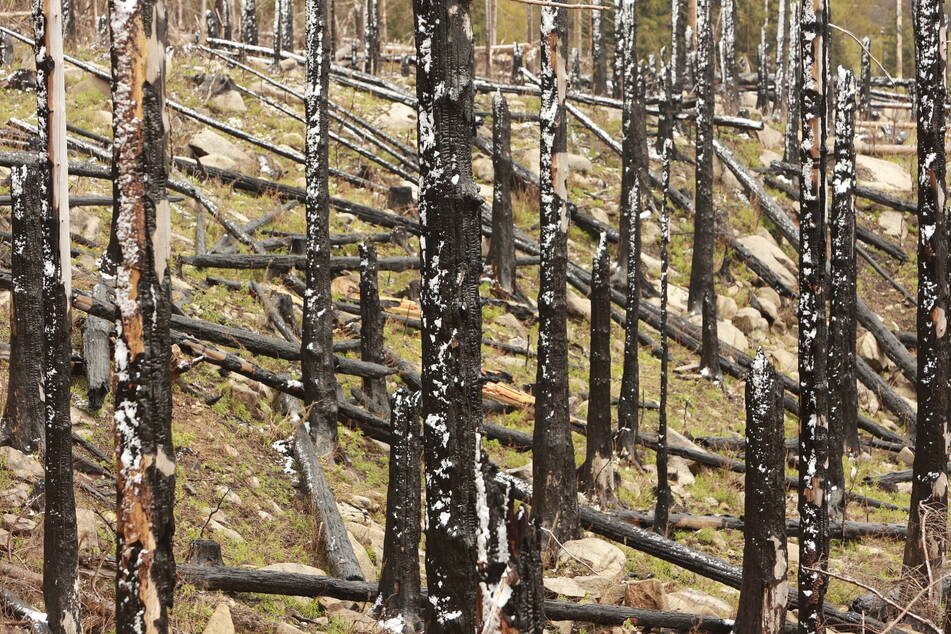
(906, 456)
(725, 176)
(784, 360)
(17, 524)
(726, 307)
(357, 622)
(228, 102)
(370, 535)
(87, 525)
(893, 222)
(243, 394)
(15, 496)
(748, 320)
(565, 586)
(208, 142)
(483, 169)
(284, 628)
(679, 469)
(869, 351)
(21, 465)
(350, 513)
(220, 529)
(731, 335)
(650, 231)
(764, 232)
(767, 295)
(292, 139)
(867, 399)
(773, 257)
(102, 118)
(261, 87)
(94, 84)
(578, 163)
(578, 306)
(219, 161)
(288, 64)
(882, 174)
(220, 621)
(605, 559)
(229, 496)
(399, 118)
(697, 602)
(770, 137)
(647, 594)
(366, 566)
(768, 156)
(510, 323)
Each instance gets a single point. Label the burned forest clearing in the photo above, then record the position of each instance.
(286, 430)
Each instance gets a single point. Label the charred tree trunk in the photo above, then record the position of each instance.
(371, 331)
(928, 514)
(317, 365)
(597, 472)
(762, 82)
(400, 596)
(96, 353)
(489, 35)
(449, 208)
(782, 74)
(287, 24)
(599, 67)
(678, 43)
(277, 32)
(813, 389)
(764, 592)
(223, 9)
(555, 500)
(899, 65)
(728, 78)
(843, 396)
(22, 422)
(793, 87)
(371, 37)
(517, 60)
(662, 507)
(60, 546)
(145, 457)
(621, 35)
(249, 22)
(524, 611)
(865, 96)
(502, 246)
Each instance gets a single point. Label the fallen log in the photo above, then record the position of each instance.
(868, 193)
(225, 244)
(277, 262)
(18, 608)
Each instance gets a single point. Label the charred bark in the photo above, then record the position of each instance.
(728, 78)
(371, 331)
(96, 353)
(622, 28)
(764, 592)
(678, 44)
(780, 78)
(320, 384)
(662, 507)
(762, 73)
(555, 499)
(249, 22)
(793, 86)
(502, 246)
(865, 94)
(525, 609)
(371, 37)
(599, 78)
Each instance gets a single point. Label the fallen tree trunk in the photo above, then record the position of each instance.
(868, 193)
(286, 262)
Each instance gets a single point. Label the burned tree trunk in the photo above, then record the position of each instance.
(843, 395)
(371, 37)
(449, 210)
(145, 457)
(277, 32)
(597, 471)
(782, 74)
(701, 266)
(662, 507)
(599, 79)
(865, 96)
(634, 136)
(762, 75)
(764, 592)
(400, 596)
(678, 43)
(223, 9)
(517, 78)
(793, 87)
(928, 514)
(60, 546)
(728, 79)
(524, 611)
(371, 331)
(317, 365)
(287, 24)
(96, 353)
(555, 500)
(813, 390)
(502, 247)
(621, 41)
(22, 422)
(249, 22)
(490, 7)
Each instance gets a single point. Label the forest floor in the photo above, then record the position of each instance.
(235, 481)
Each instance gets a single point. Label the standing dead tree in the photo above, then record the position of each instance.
(317, 365)
(277, 32)
(287, 24)
(678, 43)
(555, 500)
(662, 507)
(22, 421)
(371, 37)
(762, 72)
(622, 30)
(764, 591)
(60, 545)
(793, 87)
(928, 513)
(865, 96)
(843, 395)
(249, 22)
(450, 242)
(728, 78)
(813, 390)
(143, 413)
(782, 74)
(502, 246)
(599, 79)
(371, 331)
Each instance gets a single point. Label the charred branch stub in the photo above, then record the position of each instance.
(764, 591)
(555, 498)
(371, 331)
(843, 396)
(813, 388)
(502, 246)
(22, 422)
(597, 471)
(400, 596)
(927, 515)
(450, 215)
(317, 365)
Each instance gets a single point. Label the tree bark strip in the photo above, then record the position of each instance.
(371, 331)
(97, 353)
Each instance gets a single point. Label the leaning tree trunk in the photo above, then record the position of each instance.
(813, 389)
(764, 592)
(502, 246)
(793, 87)
(144, 455)
(22, 421)
(701, 266)
(372, 322)
(317, 364)
(843, 395)
(927, 516)
(728, 78)
(678, 43)
(249, 22)
(60, 546)
(555, 485)
(371, 37)
(599, 79)
(449, 210)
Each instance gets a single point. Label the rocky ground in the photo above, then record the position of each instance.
(235, 481)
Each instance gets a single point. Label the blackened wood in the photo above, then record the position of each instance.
(399, 197)
(20, 609)
(928, 512)
(223, 9)
(783, 70)
(23, 419)
(664, 496)
(728, 78)
(710, 341)
(450, 210)
(628, 420)
(793, 86)
(279, 262)
(287, 24)
(371, 37)
(843, 396)
(400, 595)
(226, 244)
(273, 316)
(205, 552)
(762, 604)
(276, 33)
(865, 99)
(762, 73)
(596, 474)
(249, 22)
(371, 331)
(502, 246)
(555, 499)
(333, 534)
(599, 79)
(96, 353)
(525, 609)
